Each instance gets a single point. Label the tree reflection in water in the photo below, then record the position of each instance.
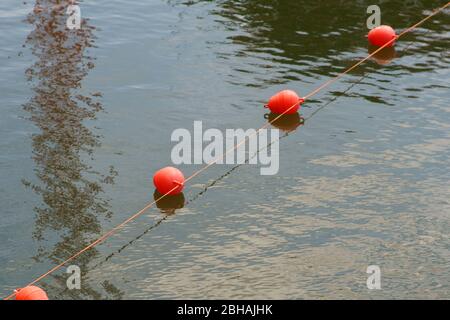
(71, 190)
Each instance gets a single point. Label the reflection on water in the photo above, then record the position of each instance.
(284, 41)
(169, 204)
(384, 56)
(70, 189)
(287, 122)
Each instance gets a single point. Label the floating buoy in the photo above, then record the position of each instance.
(284, 102)
(286, 122)
(381, 35)
(167, 179)
(31, 293)
(384, 56)
(169, 203)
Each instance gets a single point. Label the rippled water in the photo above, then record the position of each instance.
(87, 117)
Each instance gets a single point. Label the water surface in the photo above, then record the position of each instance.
(87, 118)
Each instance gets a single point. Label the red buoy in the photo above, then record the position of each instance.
(31, 293)
(167, 179)
(285, 102)
(381, 35)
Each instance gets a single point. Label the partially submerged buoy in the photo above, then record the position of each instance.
(169, 180)
(381, 35)
(384, 56)
(285, 102)
(286, 122)
(31, 293)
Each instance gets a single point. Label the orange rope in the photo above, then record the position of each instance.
(301, 100)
